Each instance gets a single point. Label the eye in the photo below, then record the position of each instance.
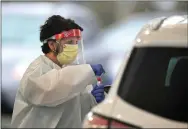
(70, 42)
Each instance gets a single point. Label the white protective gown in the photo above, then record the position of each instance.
(53, 97)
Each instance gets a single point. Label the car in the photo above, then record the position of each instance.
(151, 86)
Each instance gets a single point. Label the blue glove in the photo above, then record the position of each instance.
(98, 69)
(98, 93)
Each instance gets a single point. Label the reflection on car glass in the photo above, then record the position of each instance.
(172, 63)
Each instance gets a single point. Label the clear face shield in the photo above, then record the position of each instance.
(69, 47)
(70, 51)
(80, 59)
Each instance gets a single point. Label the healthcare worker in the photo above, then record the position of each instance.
(53, 91)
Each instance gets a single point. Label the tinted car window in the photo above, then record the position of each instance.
(156, 80)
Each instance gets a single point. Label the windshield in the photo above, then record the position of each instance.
(156, 80)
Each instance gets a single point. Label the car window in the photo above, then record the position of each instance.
(156, 80)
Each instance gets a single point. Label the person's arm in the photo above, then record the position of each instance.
(58, 86)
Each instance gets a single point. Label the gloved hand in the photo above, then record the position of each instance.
(98, 93)
(97, 69)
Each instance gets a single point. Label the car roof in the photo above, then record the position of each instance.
(164, 32)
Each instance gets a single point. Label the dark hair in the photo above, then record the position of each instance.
(54, 25)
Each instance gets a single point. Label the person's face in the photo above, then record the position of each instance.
(57, 46)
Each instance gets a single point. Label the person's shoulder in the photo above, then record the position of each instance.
(38, 63)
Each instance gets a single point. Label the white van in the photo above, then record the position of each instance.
(151, 89)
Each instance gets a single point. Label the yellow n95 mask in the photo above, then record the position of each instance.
(69, 54)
